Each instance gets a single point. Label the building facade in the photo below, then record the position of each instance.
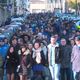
(22, 6)
(37, 6)
(6, 10)
(47, 5)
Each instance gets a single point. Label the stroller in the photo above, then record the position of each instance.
(38, 72)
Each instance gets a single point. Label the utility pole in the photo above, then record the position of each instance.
(66, 6)
(76, 7)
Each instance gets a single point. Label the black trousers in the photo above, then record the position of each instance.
(65, 73)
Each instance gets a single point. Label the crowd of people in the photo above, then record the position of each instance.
(46, 48)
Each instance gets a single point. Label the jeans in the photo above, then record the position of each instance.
(5, 75)
(74, 75)
(65, 73)
(55, 71)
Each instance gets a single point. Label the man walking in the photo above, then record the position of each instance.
(53, 58)
(65, 51)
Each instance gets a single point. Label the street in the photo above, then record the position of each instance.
(39, 40)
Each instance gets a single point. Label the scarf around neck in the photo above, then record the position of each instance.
(37, 55)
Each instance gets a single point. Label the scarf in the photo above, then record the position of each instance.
(37, 55)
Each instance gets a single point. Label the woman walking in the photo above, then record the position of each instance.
(11, 63)
(24, 55)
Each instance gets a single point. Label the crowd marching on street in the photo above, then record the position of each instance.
(44, 49)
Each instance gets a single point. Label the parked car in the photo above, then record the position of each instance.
(19, 19)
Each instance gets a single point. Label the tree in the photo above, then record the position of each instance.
(79, 8)
(72, 5)
(75, 5)
(15, 7)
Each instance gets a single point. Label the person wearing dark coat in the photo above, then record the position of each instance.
(16, 46)
(24, 62)
(11, 61)
(65, 51)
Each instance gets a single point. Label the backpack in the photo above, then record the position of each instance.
(1, 61)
